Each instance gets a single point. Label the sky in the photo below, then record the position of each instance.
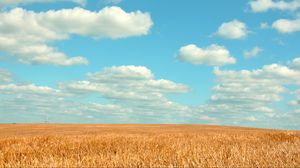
(214, 62)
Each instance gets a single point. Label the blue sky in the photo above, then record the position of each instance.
(123, 61)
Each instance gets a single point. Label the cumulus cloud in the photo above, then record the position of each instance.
(32, 107)
(252, 53)
(131, 94)
(133, 87)
(287, 25)
(234, 29)
(17, 2)
(249, 92)
(295, 64)
(5, 76)
(27, 88)
(24, 101)
(129, 72)
(127, 83)
(31, 103)
(265, 5)
(26, 34)
(214, 55)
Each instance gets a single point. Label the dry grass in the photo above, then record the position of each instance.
(146, 146)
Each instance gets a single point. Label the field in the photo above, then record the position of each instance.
(42, 145)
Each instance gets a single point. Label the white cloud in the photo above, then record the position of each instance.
(17, 2)
(27, 88)
(286, 25)
(23, 102)
(276, 72)
(129, 72)
(131, 94)
(214, 55)
(127, 83)
(245, 87)
(295, 64)
(110, 22)
(252, 53)
(265, 5)
(249, 93)
(5, 76)
(234, 29)
(26, 34)
(34, 108)
(133, 87)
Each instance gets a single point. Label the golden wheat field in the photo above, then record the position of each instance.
(47, 145)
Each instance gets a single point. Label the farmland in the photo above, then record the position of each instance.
(66, 145)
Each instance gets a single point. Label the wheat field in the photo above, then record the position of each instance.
(49, 145)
